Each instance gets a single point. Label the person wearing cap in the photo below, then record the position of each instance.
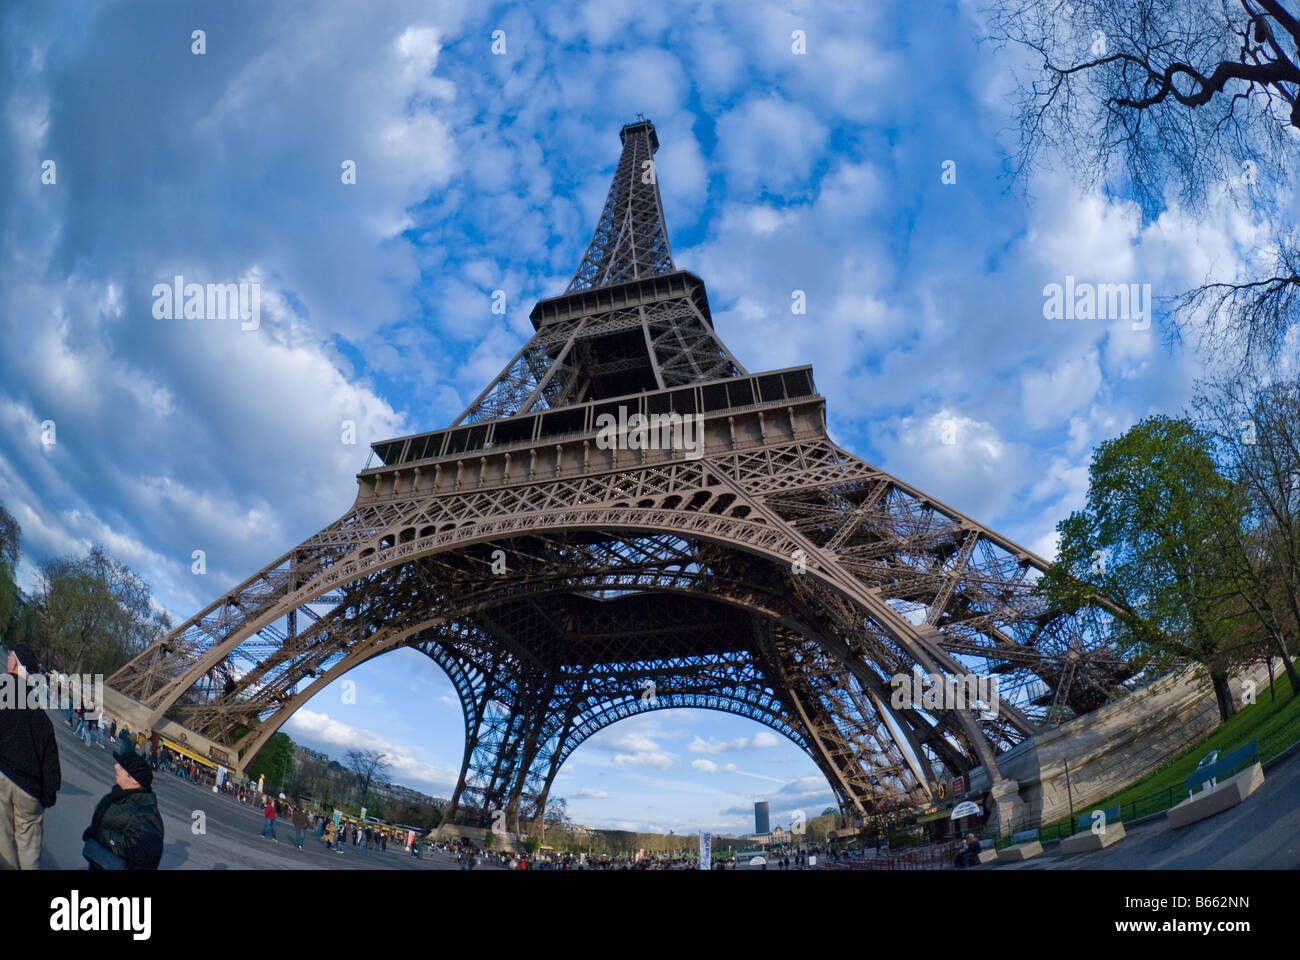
(30, 775)
(126, 831)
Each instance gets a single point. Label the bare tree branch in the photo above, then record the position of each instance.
(1169, 101)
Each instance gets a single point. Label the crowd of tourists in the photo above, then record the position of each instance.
(126, 828)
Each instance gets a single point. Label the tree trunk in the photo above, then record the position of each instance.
(1223, 694)
(1292, 677)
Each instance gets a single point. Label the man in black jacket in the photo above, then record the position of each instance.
(126, 832)
(29, 768)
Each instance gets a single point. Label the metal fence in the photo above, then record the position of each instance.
(935, 856)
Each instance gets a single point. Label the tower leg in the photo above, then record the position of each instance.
(1007, 811)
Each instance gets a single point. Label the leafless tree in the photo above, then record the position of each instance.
(1257, 426)
(1175, 99)
(370, 766)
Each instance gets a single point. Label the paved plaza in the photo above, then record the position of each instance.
(1261, 832)
(231, 840)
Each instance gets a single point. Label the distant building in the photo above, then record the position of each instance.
(303, 756)
(395, 791)
(762, 822)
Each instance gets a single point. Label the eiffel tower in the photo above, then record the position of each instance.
(566, 574)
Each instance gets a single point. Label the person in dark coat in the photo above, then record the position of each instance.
(970, 853)
(300, 823)
(126, 832)
(30, 775)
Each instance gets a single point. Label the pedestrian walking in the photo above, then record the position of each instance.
(269, 812)
(30, 774)
(124, 741)
(126, 831)
(300, 823)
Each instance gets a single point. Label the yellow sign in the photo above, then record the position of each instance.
(186, 752)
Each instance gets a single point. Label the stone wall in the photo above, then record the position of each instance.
(135, 715)
(477, 835)
(1115, 745)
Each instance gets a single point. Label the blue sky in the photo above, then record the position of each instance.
(818, 172)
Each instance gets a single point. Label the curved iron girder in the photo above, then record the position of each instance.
(713, 584)
(749, 697)
(774, 544)
(367, 559)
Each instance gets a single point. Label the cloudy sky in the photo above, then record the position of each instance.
(820, 171)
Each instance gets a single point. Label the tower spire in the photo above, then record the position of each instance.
(631, 240)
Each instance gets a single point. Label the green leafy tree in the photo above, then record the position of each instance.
(273, 762)
(1159, 519)
(10, 535)
(11, 604)
(94, 614)
(11, 600)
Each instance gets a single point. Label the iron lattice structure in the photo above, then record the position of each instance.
(564, 583)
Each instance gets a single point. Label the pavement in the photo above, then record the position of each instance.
(1262, 832)
(230, 839)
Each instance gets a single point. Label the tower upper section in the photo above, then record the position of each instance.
(631, 239)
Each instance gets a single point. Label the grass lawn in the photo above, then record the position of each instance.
(1275, 723)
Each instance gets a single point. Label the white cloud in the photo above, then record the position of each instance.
(322, 729)
(1051, 396)
(708, 766)
(631, 746)
(959, 459)
(770, 144)
(645, 758)
(711, 745)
